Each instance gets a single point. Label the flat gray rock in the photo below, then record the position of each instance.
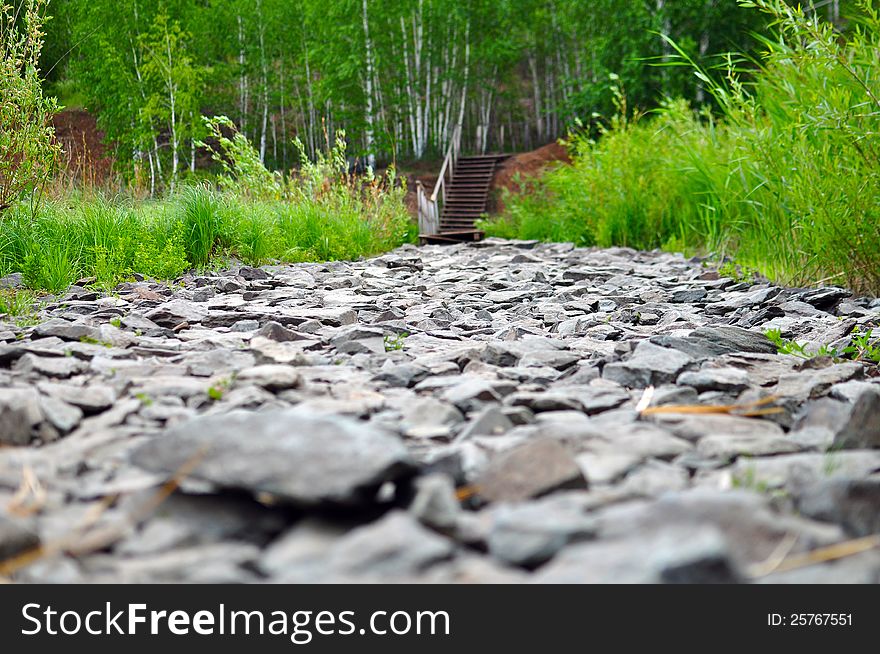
(394, 547)
(861, 430)
(286, 455)
(649, 365)
(530, 534)
(19, 413)
(530, 470)
(15, 537)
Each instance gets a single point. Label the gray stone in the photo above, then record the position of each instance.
(250, 274)
(862, 428)
(716, 379)
(13, 280)
(305, 544)
(530, 470)
(15, 538)
(549, 358)
(490, 421)
(277, 332)
(403, 375)
(687, 295)
(824, 298)
(814, 383)
(272, 377)
(752, 531)
(286, 455)
(435, 503)
(471, 394)
(393, 547)
(728, 447)
(66, 330)
(649, 365)
(850, 391)
(429, 417)
(707, 342)
(695, 427)
(19, 414)
(91, 399)
(683, 555)
(363, 346)
(531, 534)
(63, 416)
(854, 504)
(538, 401)
(288, 353)
(244, 326)
(597, 399)
(175, 312)
(60, 367)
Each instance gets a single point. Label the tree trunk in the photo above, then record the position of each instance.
(371, 157)
(536, 86)
(242, 80)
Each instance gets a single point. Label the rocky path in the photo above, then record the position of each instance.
(462, 414)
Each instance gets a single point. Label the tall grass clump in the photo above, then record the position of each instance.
(323, 213)
(787, 180)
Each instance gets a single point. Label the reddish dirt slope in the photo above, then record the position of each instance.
(525, 165)
(85, 157)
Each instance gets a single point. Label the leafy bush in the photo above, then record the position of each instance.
(27, 142)
(242, 168)
(788, 180)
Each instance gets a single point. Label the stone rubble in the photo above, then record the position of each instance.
(444, 414)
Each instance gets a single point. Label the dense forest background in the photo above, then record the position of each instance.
(232, 129)
(396, 75)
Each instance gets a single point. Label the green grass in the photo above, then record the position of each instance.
(256, 216)
(110, 239)
(395, 342)
(863, 346)
(786, 181)
(18, 305)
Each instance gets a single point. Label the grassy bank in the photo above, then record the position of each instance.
(248, 213)
(197, 228)
(787, 181)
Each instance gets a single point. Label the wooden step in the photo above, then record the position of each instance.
(457, 236)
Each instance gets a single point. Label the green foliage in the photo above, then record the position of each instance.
(18, 304)
(395, 342)
(322, 214)
(517, 72)
(217, 390)
(244, 172)
(740, 274)
(145, 399)
(788, 180)
(864, 346)
(27, 139)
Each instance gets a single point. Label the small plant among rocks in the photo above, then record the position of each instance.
(395, 343)
(740, 274)
(217, 390)
(864, 346)
(18, 304)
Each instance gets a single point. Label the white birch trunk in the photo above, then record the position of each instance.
(371, 157)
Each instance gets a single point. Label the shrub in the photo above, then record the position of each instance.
(27, 141)
(788, 180)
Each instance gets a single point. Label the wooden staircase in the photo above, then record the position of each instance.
(468, 193)
(459, 198)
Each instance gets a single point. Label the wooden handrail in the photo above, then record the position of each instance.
(429, 207)
(449, 161)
